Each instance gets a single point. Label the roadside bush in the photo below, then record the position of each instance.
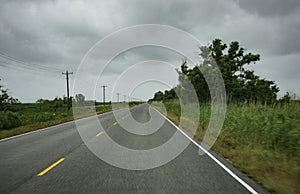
(133, 103)
(28, 118)
(9, 120)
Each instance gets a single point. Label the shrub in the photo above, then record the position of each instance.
(9, 120)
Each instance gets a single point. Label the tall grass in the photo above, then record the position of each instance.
(29, 117)
(276, 128)
(273, 127)
(262, 141)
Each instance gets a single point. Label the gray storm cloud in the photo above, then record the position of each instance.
(57, 34)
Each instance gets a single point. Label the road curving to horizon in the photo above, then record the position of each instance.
(56, 160)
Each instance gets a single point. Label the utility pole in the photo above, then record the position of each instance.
(118, 94)
(103, 94)
(124, 98)
(68, 93)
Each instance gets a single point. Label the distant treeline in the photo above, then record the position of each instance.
(242, 85)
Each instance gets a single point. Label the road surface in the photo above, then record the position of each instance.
(56, 160)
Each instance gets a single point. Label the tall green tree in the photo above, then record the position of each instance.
(5, 99)
(241, 85)
(80, 99)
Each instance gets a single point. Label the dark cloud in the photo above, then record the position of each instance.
(182, 14)
(57, 34)
(270, 8)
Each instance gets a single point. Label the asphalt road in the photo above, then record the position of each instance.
(78, 170)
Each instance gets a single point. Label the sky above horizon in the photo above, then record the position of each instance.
(42, 39)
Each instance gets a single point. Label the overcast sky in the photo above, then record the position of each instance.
(53, 36)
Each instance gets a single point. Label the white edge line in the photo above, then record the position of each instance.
(212, 157)
(39, 130)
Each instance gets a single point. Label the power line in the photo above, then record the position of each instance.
(12, 64)
(11, 61)
(4, 55)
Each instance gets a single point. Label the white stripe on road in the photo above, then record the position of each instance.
(212, 157)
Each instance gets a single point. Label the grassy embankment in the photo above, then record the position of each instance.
(31, 117)
(261, 141)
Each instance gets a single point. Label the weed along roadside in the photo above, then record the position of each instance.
(261, 141)
(31, 117)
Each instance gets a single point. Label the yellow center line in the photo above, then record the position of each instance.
(50, 167)
(125, 116)
(100, 133)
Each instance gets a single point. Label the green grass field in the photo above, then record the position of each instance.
(30, 117)
(22, 118)
(261, 141)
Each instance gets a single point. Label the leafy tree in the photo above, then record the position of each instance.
(80, 98)
(57, 103)
(242, 85)
(40, 101)
(286, 98)
(169, 94)
(5, 99)
(158, 96)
